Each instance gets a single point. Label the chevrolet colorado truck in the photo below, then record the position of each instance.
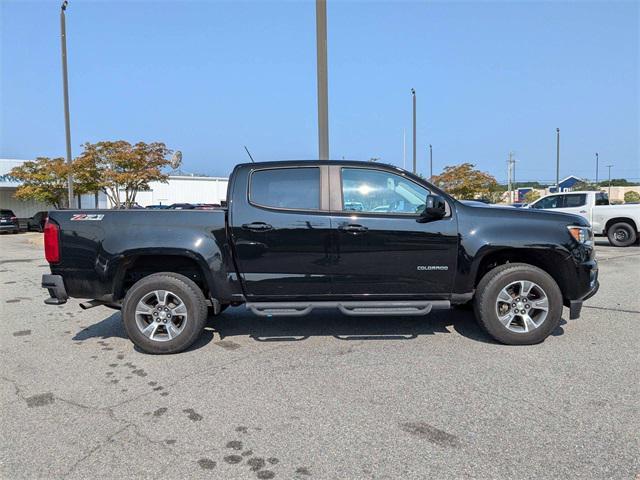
(365, 239)
(619, 223)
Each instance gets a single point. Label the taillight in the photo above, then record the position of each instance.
(51, 242)
(14, 219)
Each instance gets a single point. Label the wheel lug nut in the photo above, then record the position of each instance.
(513, 304)
(165, 320)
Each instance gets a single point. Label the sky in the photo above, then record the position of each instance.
(209, 77)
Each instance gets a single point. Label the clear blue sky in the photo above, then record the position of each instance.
(210, 77)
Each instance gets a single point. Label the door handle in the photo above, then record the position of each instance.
(257, 226)
(583, 211)
(353, 228)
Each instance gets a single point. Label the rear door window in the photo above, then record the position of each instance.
(575, 200)
(286, 188)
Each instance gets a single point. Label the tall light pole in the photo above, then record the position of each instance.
(323, 97)
(609, 167)
(65, 88)
(430, 163)
(557, 160)
(404, 149)
(413, 95)
(597, 162)
(509, 164)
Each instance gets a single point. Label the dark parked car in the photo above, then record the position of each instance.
(134, 206)
(36, 223)
(157, 207)
(8, 221)
(182, 206)
(206, 206)
(289, 243)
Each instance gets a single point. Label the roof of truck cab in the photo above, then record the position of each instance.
(308, 163)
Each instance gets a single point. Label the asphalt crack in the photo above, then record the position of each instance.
(608, 309)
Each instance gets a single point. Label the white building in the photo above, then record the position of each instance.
(185, 189)
(178, 189)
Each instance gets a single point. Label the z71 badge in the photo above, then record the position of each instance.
(87, 216)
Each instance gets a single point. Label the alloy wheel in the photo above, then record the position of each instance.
(161, 315)
(522, 306)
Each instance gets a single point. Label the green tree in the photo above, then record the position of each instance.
(585, 185)
(119, 168)
(631, 196)
(44, 180)
(618, 182)
(464, 182)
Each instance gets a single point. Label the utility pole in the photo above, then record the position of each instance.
(413, 95)
(65, 88)
(323, 97)
(609, 167)
(430, 163)
(557, 160)
(511, 176)
(597, 169)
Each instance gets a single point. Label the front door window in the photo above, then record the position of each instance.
(378, 191)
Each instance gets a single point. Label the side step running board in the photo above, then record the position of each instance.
(299, 309)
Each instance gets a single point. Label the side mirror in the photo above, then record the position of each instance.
(435, 207)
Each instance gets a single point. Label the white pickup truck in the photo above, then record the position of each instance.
(618, 222)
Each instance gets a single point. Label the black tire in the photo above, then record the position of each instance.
(500, 277)
(621, 234)
(187, 291)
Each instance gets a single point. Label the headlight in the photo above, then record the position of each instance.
(581, 234)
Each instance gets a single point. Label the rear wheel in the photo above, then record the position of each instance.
(621, 234)
(164, 313)
(518, 304)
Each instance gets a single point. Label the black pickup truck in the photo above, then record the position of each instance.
(363, 238)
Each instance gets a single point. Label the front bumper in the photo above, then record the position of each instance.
(57, 292)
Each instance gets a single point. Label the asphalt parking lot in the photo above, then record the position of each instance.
(325, 396)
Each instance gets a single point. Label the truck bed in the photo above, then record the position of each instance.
(98, 246)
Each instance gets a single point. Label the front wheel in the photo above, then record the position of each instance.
(164, 313)
(518, 304)
(621, 234)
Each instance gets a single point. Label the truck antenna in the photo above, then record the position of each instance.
(249, 153)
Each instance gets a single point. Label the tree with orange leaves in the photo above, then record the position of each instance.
(464, 182)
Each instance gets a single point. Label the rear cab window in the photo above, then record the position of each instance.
(286, 188)
(7, 213)
(602, 199)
